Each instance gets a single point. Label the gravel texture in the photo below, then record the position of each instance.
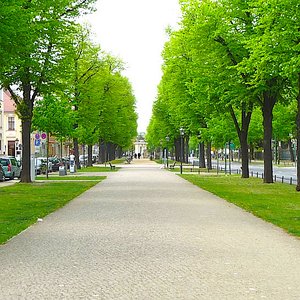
(145, 233)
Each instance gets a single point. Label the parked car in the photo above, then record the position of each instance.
(56, 162)
(2, 174)
(11, 167)
(40, 165)
(83, 159)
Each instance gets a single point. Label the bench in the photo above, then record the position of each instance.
(112, 167)
(172, 166)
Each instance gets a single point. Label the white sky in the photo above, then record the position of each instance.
(134, 30)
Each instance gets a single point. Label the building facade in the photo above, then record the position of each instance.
(10, 126)
(140, 146)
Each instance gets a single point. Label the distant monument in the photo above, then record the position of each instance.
(140, 145)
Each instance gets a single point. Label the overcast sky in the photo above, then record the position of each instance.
(134, 30)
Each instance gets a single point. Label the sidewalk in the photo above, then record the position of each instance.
(145, 233)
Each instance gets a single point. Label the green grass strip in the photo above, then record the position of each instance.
(97, 169)
(22, 204)
(71, 177)
(276, 203)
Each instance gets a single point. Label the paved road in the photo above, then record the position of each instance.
(145, 233)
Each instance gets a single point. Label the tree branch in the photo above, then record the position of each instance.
(13, 95)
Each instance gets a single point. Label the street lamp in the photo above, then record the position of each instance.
(181, 147)
(167, 152)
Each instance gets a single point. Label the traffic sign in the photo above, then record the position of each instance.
(37, 142)
(44, 135)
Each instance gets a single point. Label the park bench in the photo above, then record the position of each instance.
(172, 166)
(112, 167)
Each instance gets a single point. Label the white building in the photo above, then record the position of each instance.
(140, 145)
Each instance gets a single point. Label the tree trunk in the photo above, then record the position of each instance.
(26, 154)
(245, 153)
(90, 156)
(291, 150)
(26, 115)
(243, 137)
(186, 149)
(119, 152)
(267, 110)
(76, 153)
(102, 152)
(298, 136)
(111, 155)
(208, 156)
(201, 155)
(177, 149)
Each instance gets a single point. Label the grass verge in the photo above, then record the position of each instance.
(22, 204)
(97, 169)
(276, 203)
(71, 177)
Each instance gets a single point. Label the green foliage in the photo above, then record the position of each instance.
(53, 115)
(218, 66)
(35, 40)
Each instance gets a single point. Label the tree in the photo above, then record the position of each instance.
(37, 54)
(275, 58)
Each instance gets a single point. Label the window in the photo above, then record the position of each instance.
(11, 123)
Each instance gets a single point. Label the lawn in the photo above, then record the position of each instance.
(69, 177)
(22, 204)
(98, 169)
(276, 203)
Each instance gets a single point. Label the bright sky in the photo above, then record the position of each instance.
(134, 30)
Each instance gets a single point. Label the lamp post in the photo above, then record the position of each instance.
(167, 152)
(181, 148)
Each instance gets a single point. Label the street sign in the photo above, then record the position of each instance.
(37, 136)
(37, 142)
(44, 136)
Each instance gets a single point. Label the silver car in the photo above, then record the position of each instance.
(11, 167)
(2, 174)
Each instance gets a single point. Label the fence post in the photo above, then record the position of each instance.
(275, 178)
(291, 180)
(282, 179)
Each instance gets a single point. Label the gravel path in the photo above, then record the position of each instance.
(145, 233)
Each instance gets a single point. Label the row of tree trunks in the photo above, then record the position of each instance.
(107, 152)
(177, 149)
(185, 149)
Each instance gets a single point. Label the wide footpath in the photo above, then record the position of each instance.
(145, 233)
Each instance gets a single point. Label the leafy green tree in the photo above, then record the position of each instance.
(106, 113)
(37, 41)
(53, 115)
(274, 60)
(85, 63)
